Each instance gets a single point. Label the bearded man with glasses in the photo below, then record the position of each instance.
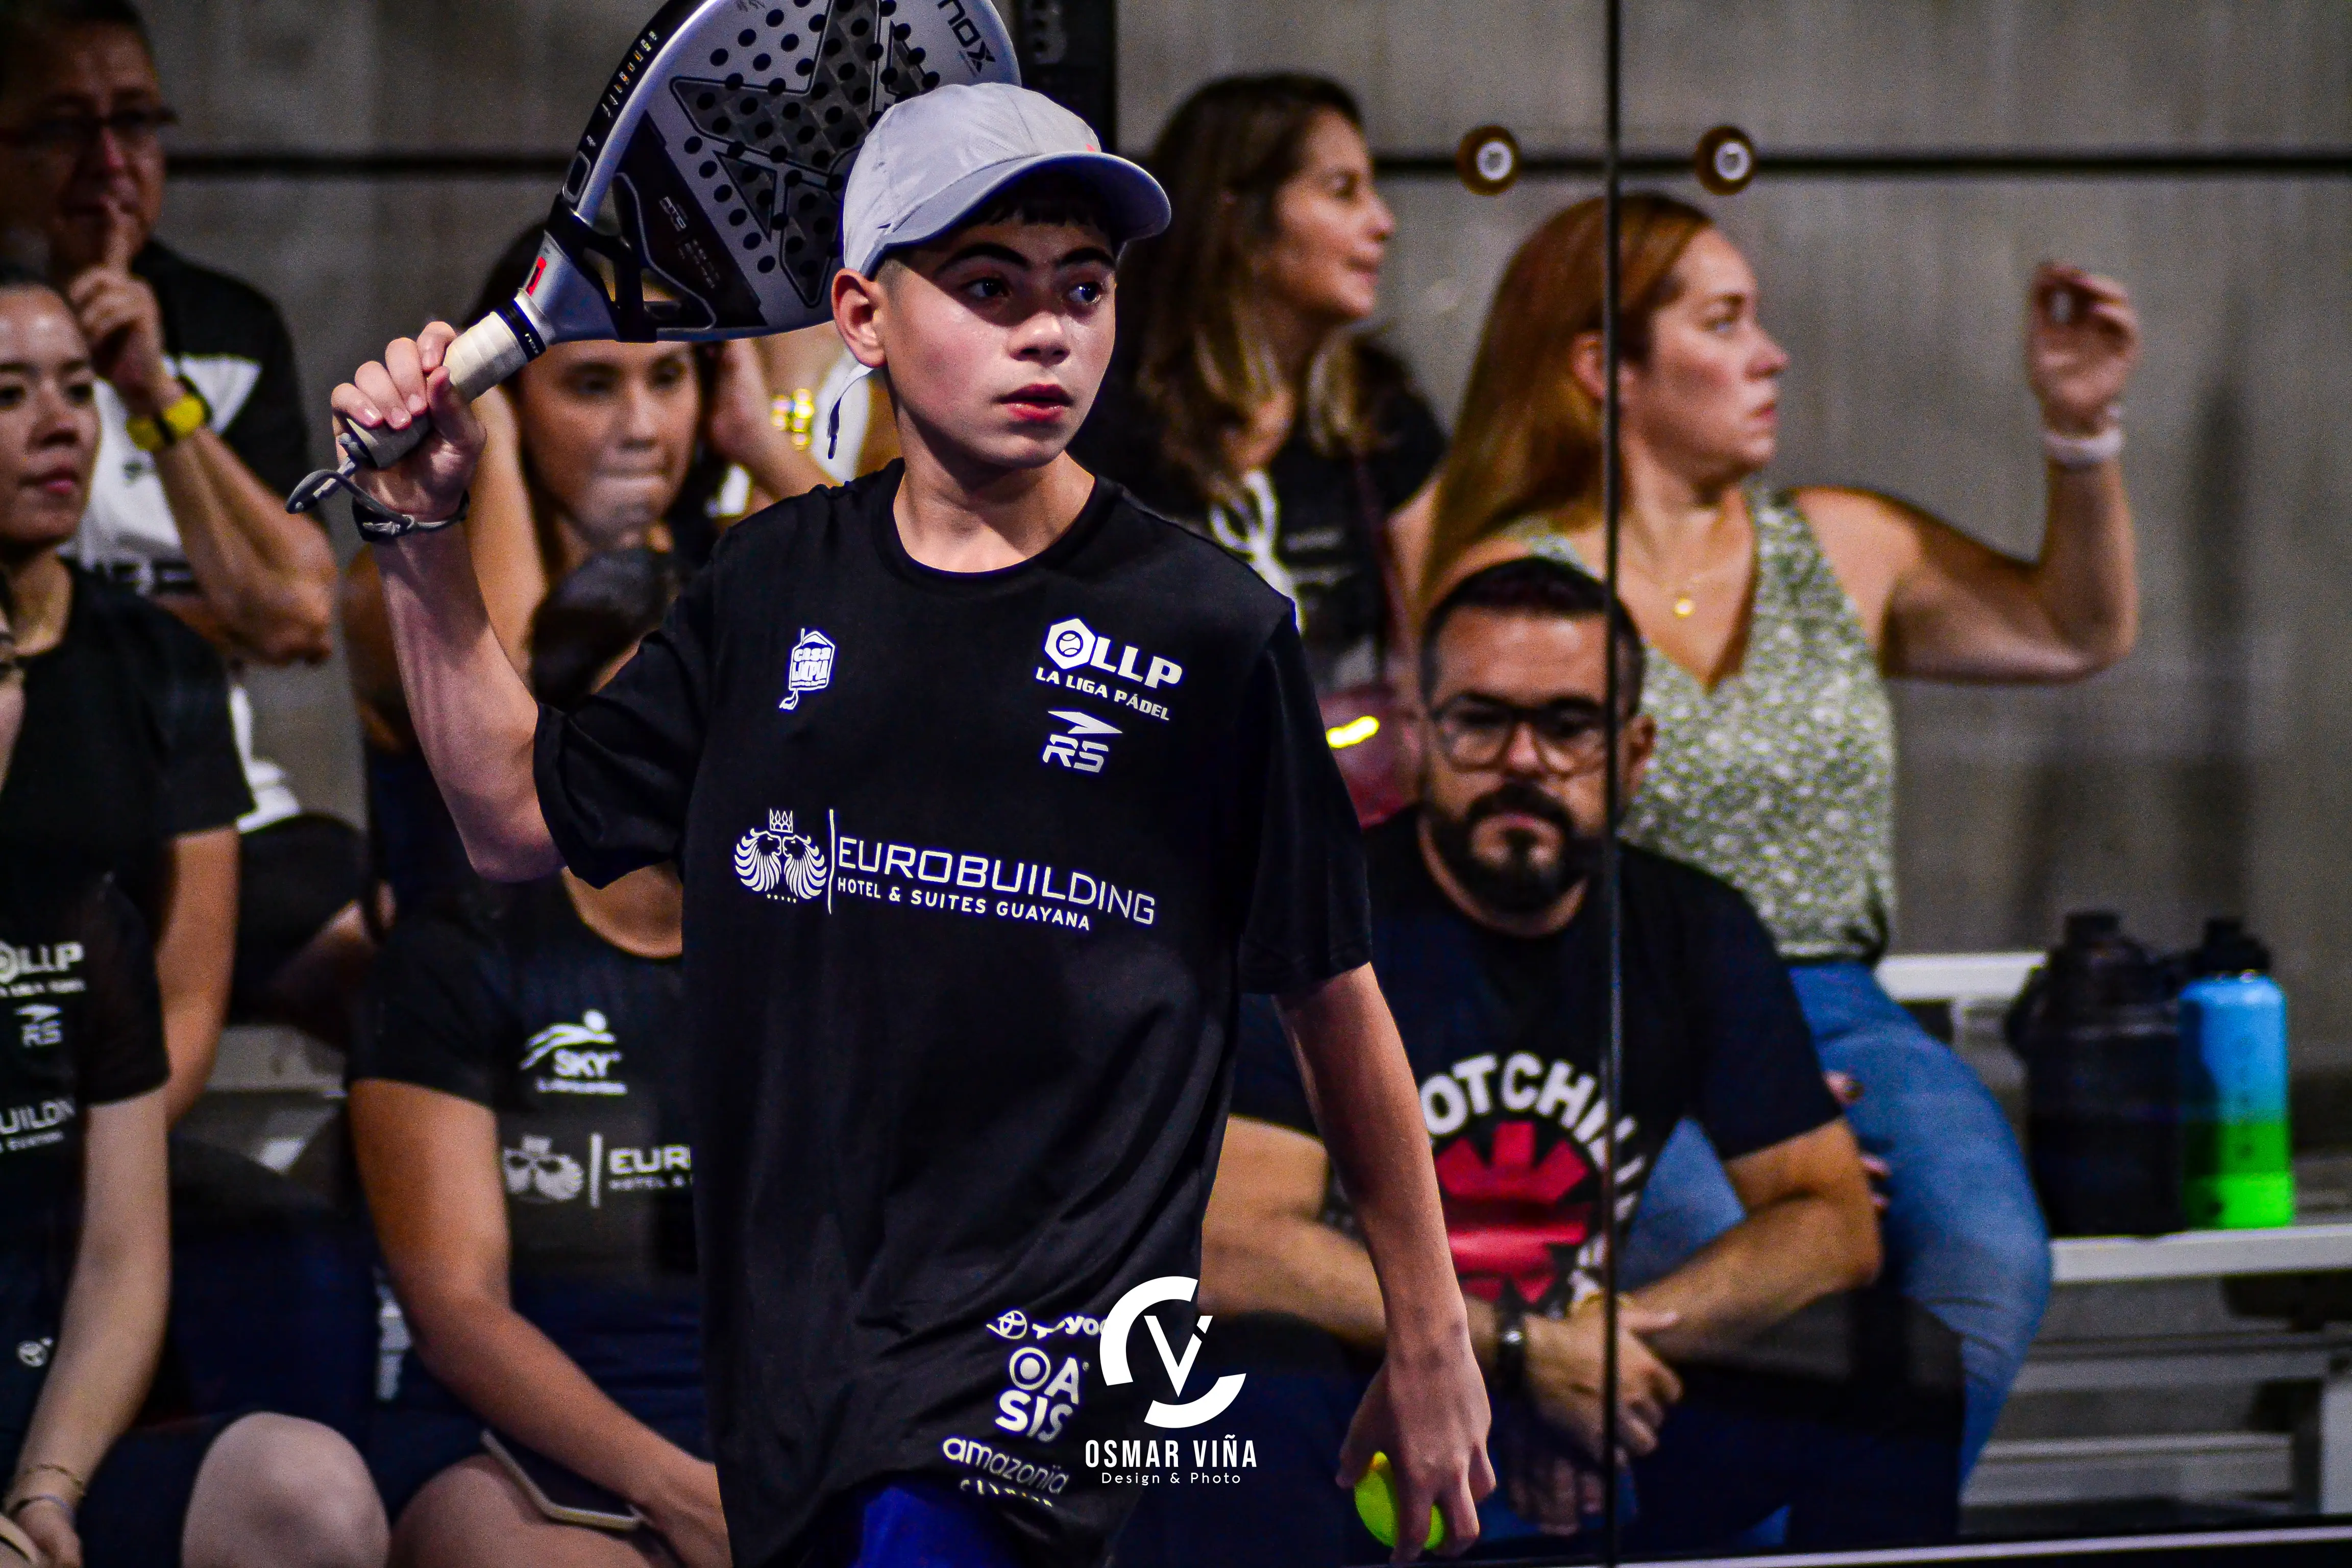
(1490, 946)
(201, 434)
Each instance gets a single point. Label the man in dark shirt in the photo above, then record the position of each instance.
(992, 793)
(201, 434)
(1492, 950)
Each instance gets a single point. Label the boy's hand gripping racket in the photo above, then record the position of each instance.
(720, 149)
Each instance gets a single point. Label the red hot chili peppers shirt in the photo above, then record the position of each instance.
(1504, 1036)
(977, 868)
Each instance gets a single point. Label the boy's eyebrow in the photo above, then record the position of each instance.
(981, 250)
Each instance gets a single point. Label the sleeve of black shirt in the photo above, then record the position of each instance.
(204, 787)
(1309, 916)
(120, 1056)
(1411, 446)
(431, 1016)
(616, 773)
(1266, 1084)
(1763, 1078)
(270, 433)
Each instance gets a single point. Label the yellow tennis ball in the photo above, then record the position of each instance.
(1376, 1505)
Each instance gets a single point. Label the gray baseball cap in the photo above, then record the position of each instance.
(932, 161)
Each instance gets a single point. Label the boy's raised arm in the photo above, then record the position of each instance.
(473, 714)
(1427, 1408)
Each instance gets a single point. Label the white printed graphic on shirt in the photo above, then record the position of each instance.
(1077, 748)
(568, 1051)
(51, 958)
(808, 669)
(1257, 537)
(537, 1173)
(777, 863)
(39, 1024)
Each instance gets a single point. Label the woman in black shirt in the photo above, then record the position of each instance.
(1243, 402)
(518, 1109)
(85, 1249)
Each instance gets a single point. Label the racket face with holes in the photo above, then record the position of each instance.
(718, 156)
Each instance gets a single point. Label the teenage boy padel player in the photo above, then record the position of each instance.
(992, 792)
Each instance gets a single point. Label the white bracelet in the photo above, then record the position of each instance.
(2073, 452)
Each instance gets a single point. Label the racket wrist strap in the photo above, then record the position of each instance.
(379, 524)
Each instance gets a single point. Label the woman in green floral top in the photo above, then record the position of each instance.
(1774, 619)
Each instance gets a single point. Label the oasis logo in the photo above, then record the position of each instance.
(1115, 1329)
(1041, 1396)
(1072, 643)
(1078, 749)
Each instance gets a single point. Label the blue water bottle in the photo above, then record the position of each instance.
(2236, 1156)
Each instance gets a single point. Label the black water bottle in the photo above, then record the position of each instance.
(2097, 1029)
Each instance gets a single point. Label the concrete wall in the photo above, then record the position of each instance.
(2205, 776)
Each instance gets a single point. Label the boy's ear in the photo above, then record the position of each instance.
(858, 304)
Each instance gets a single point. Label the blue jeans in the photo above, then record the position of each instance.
(1964, 1236)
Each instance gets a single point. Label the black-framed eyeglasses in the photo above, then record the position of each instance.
(1476, 731)
(75, 134)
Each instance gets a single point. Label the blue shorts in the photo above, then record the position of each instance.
(908, 1522)
(137, 1508)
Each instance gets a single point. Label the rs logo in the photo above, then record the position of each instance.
(1078, 749)
(1121, 1323)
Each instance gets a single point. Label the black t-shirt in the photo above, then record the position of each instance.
(80, 1025)
(1505, 1034)
(126, 743)
(977, 866)
(506, 998)
(1328, 511)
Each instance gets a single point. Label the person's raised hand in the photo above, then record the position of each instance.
(390, 394)
(1564, 1376)
(51, 1529)
(1428, 1413)
(686, 1512)
(2082, 339)
(119, 316)
(738, 423)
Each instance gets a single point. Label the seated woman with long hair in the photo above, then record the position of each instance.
(1774, 619)
(518, 1107)
(85, 1206)
(593, 446)
(1243, 401)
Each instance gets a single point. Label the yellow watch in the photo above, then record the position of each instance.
(188, 414)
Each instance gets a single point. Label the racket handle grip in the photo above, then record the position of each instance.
(483, 355)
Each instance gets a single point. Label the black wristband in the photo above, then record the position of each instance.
(1510, 1374)
(379, 524)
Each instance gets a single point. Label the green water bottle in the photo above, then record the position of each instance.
(2236, 1154)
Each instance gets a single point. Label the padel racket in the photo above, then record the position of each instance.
(704, 202)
